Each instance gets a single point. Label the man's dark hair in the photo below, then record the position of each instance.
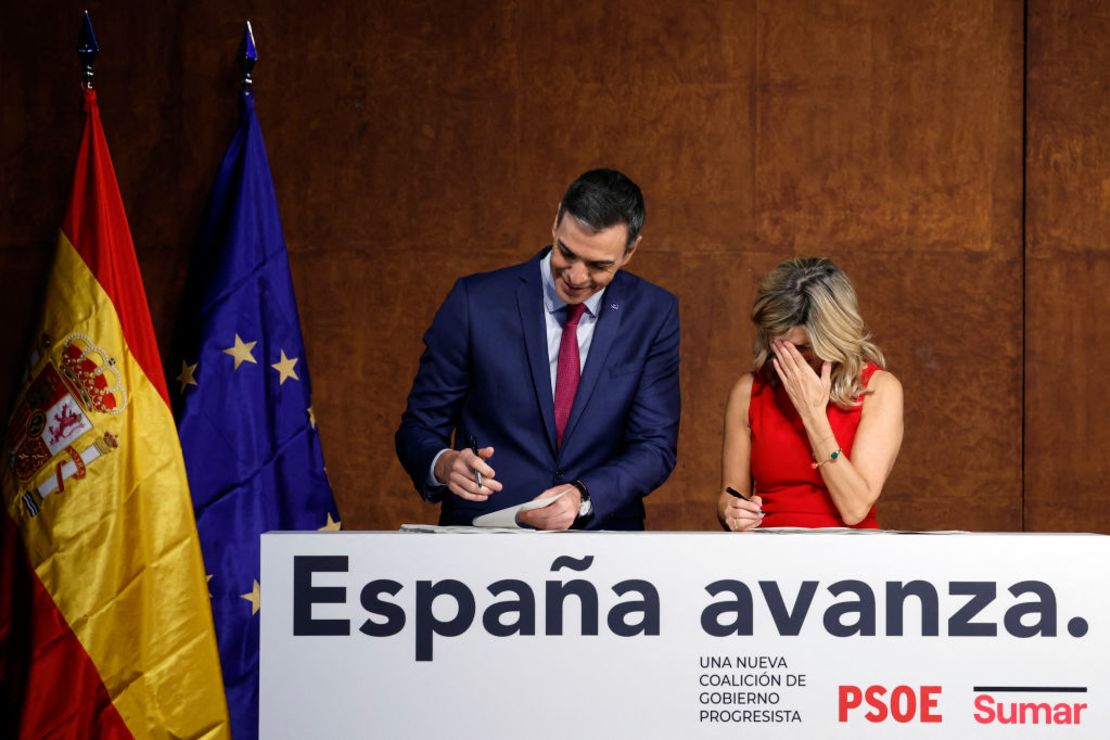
(603, 198)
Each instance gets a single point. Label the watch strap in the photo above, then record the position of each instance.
(585, 508)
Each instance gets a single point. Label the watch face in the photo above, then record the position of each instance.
(586, 507)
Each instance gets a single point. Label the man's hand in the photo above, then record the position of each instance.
(559, 515)
(456, 468)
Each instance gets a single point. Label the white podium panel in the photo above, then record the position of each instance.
(684, 635)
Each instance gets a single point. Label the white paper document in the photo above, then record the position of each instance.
(507, 517)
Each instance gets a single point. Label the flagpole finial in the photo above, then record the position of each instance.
(87, 49)
(248, 55)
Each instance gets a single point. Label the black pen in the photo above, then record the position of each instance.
(733, 492)
(474, 448)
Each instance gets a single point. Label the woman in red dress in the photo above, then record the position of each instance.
(812, 434)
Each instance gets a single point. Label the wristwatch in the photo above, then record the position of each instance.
(587, 506)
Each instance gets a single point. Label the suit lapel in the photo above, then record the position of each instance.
(610, 311)
(529, 299)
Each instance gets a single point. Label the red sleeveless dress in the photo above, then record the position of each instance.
(793, 492)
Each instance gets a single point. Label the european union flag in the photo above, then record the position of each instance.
(244, 405)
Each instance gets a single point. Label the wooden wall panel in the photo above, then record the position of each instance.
(667, 97)
(414, 142)
(879, 126)
(889, 139)
(1067, 268)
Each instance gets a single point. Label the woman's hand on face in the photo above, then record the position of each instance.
(741, 515)
(808, 391)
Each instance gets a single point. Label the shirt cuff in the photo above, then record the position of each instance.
(432, 481)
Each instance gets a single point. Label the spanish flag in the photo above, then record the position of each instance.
(105, 624)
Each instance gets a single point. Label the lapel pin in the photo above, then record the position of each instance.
(614, 306)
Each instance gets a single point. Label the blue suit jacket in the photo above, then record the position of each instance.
(485, 371)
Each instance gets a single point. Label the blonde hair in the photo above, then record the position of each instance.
(815, 294)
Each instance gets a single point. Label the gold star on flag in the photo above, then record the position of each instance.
(254, 597)
(285, 368)
(186, 377)
(311, 418)
(331, 526)
(241, 351)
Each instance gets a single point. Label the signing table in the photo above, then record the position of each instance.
(823, 634)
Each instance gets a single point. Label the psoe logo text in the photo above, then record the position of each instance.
(901, 703)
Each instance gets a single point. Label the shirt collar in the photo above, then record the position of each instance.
(551, 300)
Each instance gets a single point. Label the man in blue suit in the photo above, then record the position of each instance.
(565, 368)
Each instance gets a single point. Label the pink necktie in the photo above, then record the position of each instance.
(569, 370)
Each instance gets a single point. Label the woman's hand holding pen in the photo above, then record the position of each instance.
(459, 470)
(739, 513)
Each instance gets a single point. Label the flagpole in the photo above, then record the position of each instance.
(87, 49)
(248, 57)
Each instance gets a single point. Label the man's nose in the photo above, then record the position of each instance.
(579, 275)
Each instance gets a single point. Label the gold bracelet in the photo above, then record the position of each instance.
(831, 458)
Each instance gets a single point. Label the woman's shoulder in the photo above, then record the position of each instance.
(742, 388)
(739, 396)
(882, 386)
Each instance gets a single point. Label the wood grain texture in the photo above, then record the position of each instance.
(415, 142)
(1067, 268)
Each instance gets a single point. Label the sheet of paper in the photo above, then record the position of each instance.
(507, 517)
